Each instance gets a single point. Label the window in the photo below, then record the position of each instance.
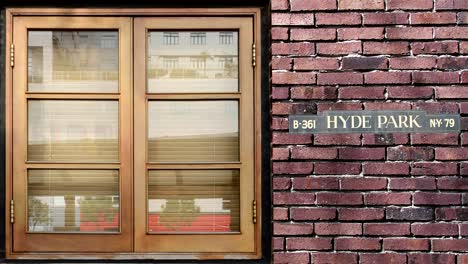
(198, 38)
(131, 142)
(225, 38)
(171, 38)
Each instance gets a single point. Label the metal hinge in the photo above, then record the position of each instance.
(254, 55)
(12, 211)
(254, 211)
(12, 55)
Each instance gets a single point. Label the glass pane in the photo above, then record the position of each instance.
(73, 61)
(73, 131)
(184, 201)
(73, 201)
(193, 131)
(192, 62)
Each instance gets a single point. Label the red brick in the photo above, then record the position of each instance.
(353, 243)
(339, 78)
(281, 183)
(431, 258)
(444, 47)
(433, 18)
(381, 258)
(360, 214)
(409, 33)
(313, 34)
(339, 198)
(361, 4)
(279, 5)
(437, 108)
(293, 167)
(305, 5)
(291, 258)
(450, 4)
(380, 168)
(450, 245)
(310, 183)
(387, 229)
(464, 77)
(338, 19)
(452, 183)
(316, 92)
(279, 33)
(463, 168)
(337, 139)
(405, 244)
(385, 18)
(384, 139)
(360, 183)
(434, 139)
(429, 198)
(462, 18)
(434, 229)
(306, 243)
(387, 77)
(292, 108)
(316, 64)
(282, 19)
(340, 48)
(338, 106)
(293, 78)
(338, 228)
(464, 108)
(337, 168)
(387, 106)
(305, 213)
(409, 5)
(280, 213)
(410, 153)
(281, 63)
(280, 154)
(364, 63)
(336, 258)
(360, 33)
(362, 153)
(293, 198)
(449, 92)
(413, 184)
(410, 92)
(452, 63)
(451, 32)
(361, 93)
(316, 183)
(313, 153)
(279, 93)
(458, 214)
(409, 213)
(391, 48)
(279, 123)
(451, 153)
(278, 243)
(298, 49)
(464, 47)
(462, 259)
(292, 229)
(412, 63)
(387, 198)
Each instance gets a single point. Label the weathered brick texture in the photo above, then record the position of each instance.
(360, 199)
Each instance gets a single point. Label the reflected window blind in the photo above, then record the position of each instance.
(73, 200)
(193, 201)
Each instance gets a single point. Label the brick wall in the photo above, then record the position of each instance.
(393, 198)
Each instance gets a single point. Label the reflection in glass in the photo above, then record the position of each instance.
(185, 201)
(73, 201)
(73, 61)
(193, 131)
(73, 131)
(192, 62)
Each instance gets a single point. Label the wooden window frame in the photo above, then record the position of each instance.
(254, 252)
